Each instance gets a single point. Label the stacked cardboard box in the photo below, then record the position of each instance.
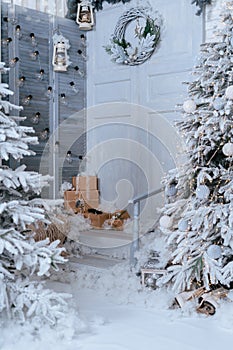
(85, 183)
(97, 219)
(72, 202)
(87, 190)
(84, 195)
(84, 199)
(117, 219)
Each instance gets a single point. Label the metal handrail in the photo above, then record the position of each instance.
(145, 196)
(136, 213)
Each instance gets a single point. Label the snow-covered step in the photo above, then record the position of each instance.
(107, 243)
(95, 261)
(105, 239)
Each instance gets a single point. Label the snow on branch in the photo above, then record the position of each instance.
(3, 69)
(4, 90)
(17, 149)
(19, 177)
(29, 255)
(21, 212)
(30, 300)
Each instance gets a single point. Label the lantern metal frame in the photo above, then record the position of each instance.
(85, 15)
(60, 59)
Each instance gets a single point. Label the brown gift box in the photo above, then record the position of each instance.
(89, 195)
(69, 205)
(70, 195)
(85, 183)
(70, 200)
(121, 214)
(117, 219)
(116, 224)
(74, 182)
(91, 198)
(92, 203)
(97, 220)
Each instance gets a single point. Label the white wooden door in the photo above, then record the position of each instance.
(130, 138)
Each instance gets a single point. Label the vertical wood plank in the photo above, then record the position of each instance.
(66, 123)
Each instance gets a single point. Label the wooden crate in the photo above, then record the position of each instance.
(148, 271)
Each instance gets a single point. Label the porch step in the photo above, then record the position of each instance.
(93, 261)
(105, 239)
(109, 244)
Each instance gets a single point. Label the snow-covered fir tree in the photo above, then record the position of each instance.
(21, 258)
(197, 219)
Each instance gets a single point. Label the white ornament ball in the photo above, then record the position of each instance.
(150, 281)
(183, 225)
(218, 104)
(171, 190)
(214, 251)
(189, 106)
(229, 92)
(165, 221)
(228, 149)
(202, 192)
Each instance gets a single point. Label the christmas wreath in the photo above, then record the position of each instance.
(148, 35)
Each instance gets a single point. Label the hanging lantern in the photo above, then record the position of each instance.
(85, 17)
(60, 56)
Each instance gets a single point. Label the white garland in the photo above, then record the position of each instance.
(147, 43)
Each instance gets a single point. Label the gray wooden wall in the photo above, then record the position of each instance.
(66, 123)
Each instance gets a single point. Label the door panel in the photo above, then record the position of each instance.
(130, 137)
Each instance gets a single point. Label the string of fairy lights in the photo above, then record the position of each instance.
(40, 74)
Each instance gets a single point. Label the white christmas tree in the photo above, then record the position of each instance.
(21, 258)
(197, 219)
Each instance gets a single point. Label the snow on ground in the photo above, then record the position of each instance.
(110, 311)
